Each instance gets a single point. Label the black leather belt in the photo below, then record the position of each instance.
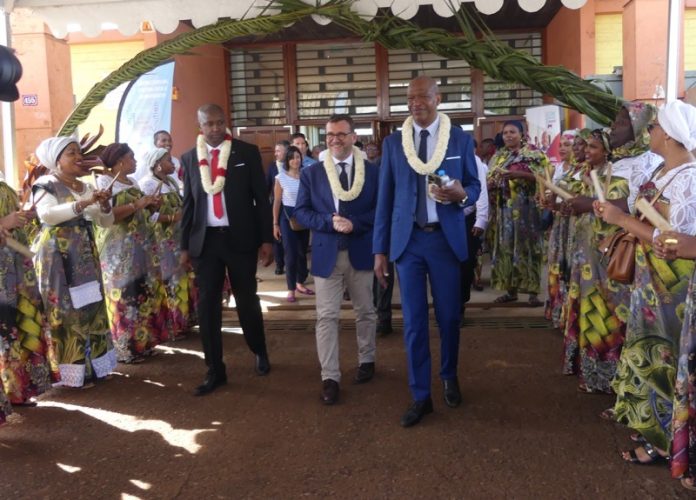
(429, 228)
(218, 229)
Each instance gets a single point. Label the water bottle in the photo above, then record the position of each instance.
(445, 181)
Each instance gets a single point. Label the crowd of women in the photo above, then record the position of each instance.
(104, 284)
(621, 290)
(632, 336)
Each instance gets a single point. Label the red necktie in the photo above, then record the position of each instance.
(217, 198)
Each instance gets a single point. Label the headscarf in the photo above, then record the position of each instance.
(569, 134)
(603, 137)
(641, 114)
(50, 150)
(584, 133)
(153, 156)
(678, 120)
(114, 152)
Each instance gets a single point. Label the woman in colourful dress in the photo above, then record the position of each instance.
(670, 245)
(596, 306)
(515, 235)
(287, 184)
(558, 236)
(25, 346)
(176, 278)
(647, 373)
(129, 256)
(67, 264)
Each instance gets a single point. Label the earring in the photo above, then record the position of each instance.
(159, 168)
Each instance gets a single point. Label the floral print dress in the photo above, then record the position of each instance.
(596, 305)
(558, 254)
(25, 341)
(683, 456)
(514, 233)
(177, 280)
(67, 266)
(647, 371)
(129, 257)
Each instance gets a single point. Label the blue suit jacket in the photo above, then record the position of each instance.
(315, 208)
(398, 195)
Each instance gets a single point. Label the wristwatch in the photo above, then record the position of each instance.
(464, 200)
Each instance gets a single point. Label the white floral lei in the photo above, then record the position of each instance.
(204, 166)
(335, 183)
(443, 134)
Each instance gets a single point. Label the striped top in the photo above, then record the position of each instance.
(290, 187)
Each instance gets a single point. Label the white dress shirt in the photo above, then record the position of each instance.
(212, 218)
(349, 171)
(481, 206)
(431, 142)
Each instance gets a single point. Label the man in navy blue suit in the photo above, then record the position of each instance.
(421, 227)
(336, 200)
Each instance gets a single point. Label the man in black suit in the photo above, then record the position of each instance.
(226, 227)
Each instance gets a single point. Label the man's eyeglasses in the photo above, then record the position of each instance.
(341, 135)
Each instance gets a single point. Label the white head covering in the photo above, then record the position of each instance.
(153, 156)
(678, 120)
(50, 149)
(570, 133)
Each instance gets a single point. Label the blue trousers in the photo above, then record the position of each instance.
(429, 256)
(295, 247)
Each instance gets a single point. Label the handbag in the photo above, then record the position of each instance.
(620, 248)
(294, 225)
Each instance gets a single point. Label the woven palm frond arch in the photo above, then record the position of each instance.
(487, 53)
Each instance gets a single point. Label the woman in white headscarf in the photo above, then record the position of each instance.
(646, 377)
(167, 221)
(67, 263)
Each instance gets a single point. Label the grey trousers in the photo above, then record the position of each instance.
(329, 297)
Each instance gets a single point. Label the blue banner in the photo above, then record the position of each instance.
(146, 107)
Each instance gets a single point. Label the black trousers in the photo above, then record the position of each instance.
(214, 261)
(469, 265)
(383, 297)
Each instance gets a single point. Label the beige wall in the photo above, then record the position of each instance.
(608, 42)
(91, 63)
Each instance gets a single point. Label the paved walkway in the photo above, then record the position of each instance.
(522, 432)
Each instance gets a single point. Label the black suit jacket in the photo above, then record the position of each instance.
(246, 200)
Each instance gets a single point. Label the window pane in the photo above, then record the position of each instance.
(257, 87)
(336, 78)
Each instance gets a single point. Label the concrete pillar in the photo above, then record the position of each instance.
(46, 95)
(645, 26)
(569, 42)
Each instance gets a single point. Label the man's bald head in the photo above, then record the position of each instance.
(423, 97)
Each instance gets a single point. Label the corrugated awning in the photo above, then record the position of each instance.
(92, 16)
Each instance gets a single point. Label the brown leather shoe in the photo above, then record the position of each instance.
(329, 392)
(365, 373)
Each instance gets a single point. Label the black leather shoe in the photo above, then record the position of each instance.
(365, 373)
(416, 412)
(279, 270)
(384, 328)
(263, 366)
(329, 391)
(453, 397)
(210, 383)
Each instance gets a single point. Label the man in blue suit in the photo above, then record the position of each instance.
(425, 235)
(336, 200)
